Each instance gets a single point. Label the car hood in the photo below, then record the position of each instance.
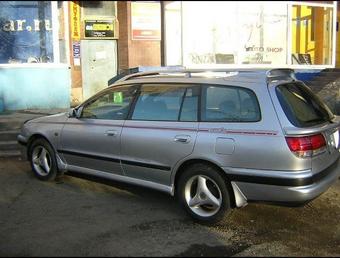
(56, 118)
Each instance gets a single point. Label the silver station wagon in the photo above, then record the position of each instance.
(214, 139)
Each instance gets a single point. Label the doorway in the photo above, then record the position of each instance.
(99, 65)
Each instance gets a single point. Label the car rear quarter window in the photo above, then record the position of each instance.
(301, 106)
(229, 104)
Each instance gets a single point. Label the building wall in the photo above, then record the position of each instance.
(133, 53)
(34, 88)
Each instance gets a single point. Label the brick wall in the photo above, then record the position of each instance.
(132, 53)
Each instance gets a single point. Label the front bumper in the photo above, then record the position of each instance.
(22, 140)
(287, 188)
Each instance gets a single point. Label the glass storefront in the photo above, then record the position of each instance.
(312, 35)
(249, 33)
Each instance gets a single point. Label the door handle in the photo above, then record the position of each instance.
(111, 133)
(182, 138)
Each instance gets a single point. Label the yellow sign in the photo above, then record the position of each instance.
(102, 26)
(75, 19)
(100, 29)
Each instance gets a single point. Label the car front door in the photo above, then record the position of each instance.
(161, 131)
(92, 141)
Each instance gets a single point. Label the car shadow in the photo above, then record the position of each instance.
(141, 191)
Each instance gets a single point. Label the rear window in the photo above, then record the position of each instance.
(301, 106)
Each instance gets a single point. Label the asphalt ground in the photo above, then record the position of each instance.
(78, 217)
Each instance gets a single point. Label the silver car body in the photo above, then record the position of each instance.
(254, 156)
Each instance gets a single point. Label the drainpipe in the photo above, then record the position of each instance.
(162, 34)
(2, 102)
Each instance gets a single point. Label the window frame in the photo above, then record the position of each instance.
(199, 101)
(203, 103)
(104, 92)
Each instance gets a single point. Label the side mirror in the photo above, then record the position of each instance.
(74, 113)
(71, 113)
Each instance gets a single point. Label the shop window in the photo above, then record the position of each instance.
(26, 32)
(211, 33)
(232, 33)
(312, 35)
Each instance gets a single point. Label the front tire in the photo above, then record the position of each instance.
(43, 160)
(203, 193)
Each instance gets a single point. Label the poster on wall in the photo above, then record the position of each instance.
(75, 20)
(76, 53)
(100, 29)
(26, 32)
(146, 20)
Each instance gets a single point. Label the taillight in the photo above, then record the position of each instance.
(307, 146)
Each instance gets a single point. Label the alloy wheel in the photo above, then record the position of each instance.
(203, 196)
(41, 160)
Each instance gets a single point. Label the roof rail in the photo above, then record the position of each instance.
(187, 72)
(269, 74)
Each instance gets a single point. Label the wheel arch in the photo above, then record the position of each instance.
(34, 137)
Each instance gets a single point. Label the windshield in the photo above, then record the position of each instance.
(301, 106)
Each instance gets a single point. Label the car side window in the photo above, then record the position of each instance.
(112, 105)
(159, 103)
(229, 104)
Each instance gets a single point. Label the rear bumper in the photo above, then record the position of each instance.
(287, 188)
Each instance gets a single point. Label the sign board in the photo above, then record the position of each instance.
(100, 29)
(76, 49)
(76, 53)
(146, 20)
(75, 19)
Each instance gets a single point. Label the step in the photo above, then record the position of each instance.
(9, 145)
(329, 74)
(324, 80)
(10, 153)
(10, 125)
(314, 84)
(315, 88)
(332, 70)
(9, 135)
(326, 76)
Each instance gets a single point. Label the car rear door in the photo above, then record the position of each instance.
(161, 131)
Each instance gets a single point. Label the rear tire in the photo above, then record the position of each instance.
(43, 160)
(203, 193)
